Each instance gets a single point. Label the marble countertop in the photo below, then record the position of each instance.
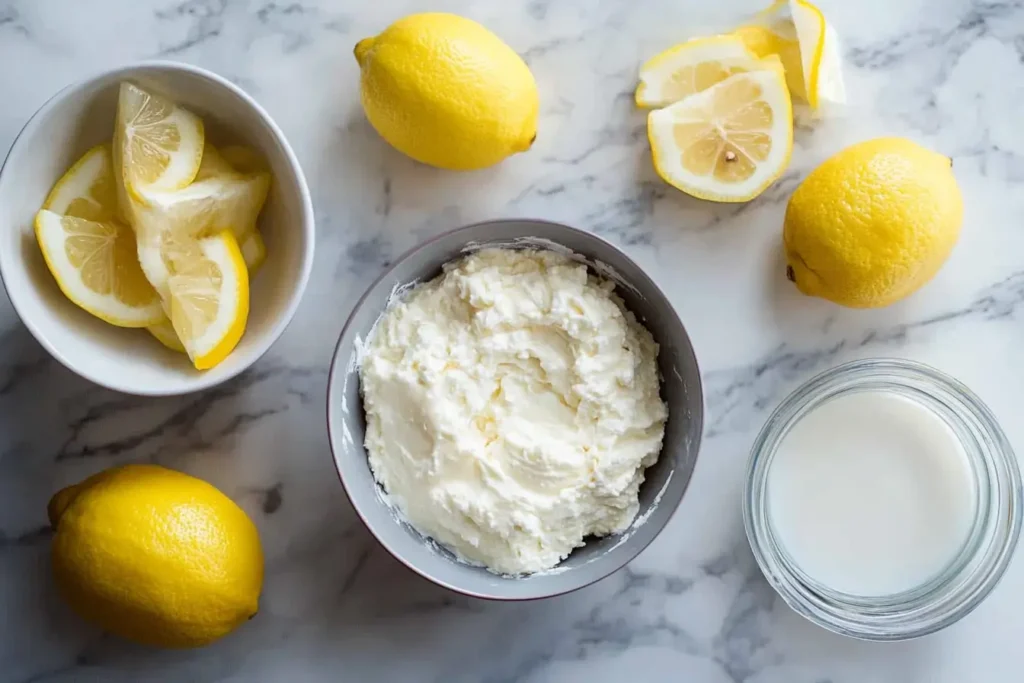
(692, 607)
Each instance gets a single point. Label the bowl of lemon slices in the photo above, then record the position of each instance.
(157, 231)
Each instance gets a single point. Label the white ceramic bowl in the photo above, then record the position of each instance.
(82, 115)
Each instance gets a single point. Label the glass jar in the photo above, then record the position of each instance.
(982, 559)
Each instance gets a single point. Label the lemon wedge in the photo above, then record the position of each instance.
(208, 296)
(213, 164)
(158, 145)
(729, 142)
(254, 250)
(164, 333)
(819, 55)
(808, 46)
(692, 67)
(778, 38)
(254, 253)
(95, 265)
(221, 201)
(243, 159)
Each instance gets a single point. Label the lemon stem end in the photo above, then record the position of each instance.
(361, 49)
(526, 143)
(59, 503)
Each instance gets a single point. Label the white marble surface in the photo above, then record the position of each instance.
(693, 607)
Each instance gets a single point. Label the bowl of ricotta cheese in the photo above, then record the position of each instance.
(514, 409)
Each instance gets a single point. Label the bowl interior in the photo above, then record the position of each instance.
(82, 116)
(665, 482)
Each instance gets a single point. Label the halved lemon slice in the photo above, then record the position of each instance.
(208, 297)
(95, 265)
(692, 67)
(87, 189)
(728, 143)
(158, 145)
(797, 32)
(164, 333)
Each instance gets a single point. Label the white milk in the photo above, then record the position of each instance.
(871, 494)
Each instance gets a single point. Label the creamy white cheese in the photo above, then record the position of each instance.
(512, 405)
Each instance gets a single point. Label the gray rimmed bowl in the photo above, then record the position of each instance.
(665, 482)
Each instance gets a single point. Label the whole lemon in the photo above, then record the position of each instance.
(155, 556)
(447, 92)
(872, 224)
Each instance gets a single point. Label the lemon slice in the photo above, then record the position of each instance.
(158, 145)
(692, 67)
(164, 333)
(95, 265)
(797, 32)
(87, 189)
(730, 142)
(208, 297)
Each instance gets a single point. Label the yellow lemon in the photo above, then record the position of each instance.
(156, 556)
(872, 224)
(447, 92)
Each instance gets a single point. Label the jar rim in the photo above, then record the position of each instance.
(986, 553)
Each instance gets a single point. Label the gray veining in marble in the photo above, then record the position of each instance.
(693, 607)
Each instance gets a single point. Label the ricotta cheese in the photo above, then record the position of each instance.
(512, 405)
